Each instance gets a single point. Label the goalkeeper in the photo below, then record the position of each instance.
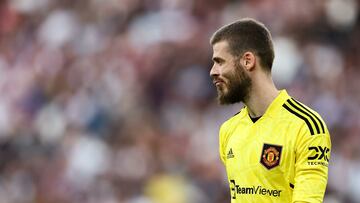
(275, 149)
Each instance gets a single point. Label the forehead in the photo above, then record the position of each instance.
(221, 49)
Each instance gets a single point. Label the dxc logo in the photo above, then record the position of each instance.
(321, 153)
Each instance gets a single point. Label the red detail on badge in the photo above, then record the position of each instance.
(270, 156)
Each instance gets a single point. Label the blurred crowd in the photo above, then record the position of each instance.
(108, 101)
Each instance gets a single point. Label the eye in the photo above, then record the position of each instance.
(218, 61)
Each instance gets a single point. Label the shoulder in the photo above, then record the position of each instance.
(232, 120)
(304, 115)
(230, 124)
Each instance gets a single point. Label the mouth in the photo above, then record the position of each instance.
(218, 82)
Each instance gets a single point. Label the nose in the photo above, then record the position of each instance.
(214, 71)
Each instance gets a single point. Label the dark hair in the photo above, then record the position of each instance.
(247, 35)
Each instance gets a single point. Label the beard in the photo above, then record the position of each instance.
(236, 88)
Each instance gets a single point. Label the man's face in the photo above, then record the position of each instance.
(232, 82)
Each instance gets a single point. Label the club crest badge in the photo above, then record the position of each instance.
(270, 156)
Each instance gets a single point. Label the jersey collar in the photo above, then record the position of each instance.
(273, 107)
(277, 103)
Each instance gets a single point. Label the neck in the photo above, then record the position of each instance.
(262, 93)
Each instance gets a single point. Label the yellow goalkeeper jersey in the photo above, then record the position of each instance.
(282, 157)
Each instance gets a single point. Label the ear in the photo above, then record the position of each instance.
(249, 60)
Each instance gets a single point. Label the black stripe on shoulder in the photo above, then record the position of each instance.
(239, 111)
(292, 185)
(306, 113)
(300, 116)
(317, 118)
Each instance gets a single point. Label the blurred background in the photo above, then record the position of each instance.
(107, 101)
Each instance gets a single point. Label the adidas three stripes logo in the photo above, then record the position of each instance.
(314, 123)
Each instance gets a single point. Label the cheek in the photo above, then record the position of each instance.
(229, 75)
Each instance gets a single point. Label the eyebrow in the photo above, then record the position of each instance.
(218, 59)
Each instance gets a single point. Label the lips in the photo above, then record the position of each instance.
(217, 82)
